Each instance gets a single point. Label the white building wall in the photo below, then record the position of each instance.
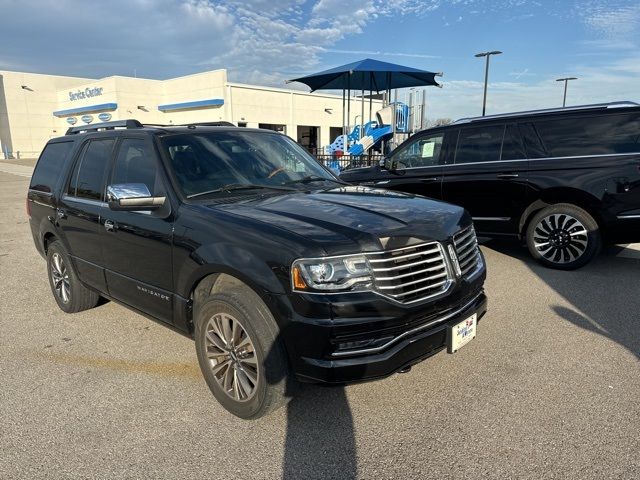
(26, 120)
(29, 120)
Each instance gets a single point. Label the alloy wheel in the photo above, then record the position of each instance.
(560, 238)
(232, 357)
(60, 277)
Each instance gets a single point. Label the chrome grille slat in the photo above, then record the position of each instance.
(426, 279)
(464, 255)
(398, 267)
(410, 274)
(425, 270)
(466, 245)
(461, 236)
(463, 246)
(402, 257)
(419, 289)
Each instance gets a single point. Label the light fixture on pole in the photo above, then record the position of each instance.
(565, 80)
(486, 75)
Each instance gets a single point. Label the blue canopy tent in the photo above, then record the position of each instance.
(368, 74)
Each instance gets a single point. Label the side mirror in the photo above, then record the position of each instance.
(132, 197)
(389, 164)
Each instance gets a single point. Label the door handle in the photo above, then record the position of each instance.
(429, 180)
(109, 225)
(60, 213)
(507, 176)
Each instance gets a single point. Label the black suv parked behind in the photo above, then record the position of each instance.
(239, 238)
(564, 180)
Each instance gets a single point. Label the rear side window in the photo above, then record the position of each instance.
(479, 144)
(596, 135)
(512, 148)
(49, 166)
(87, 179)
(532, 142)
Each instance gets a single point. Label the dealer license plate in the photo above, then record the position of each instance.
(462, 333)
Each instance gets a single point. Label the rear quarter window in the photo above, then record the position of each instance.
(49, 166)
(594, 135)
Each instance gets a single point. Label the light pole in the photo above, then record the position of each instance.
(565, 80)
(486, 75)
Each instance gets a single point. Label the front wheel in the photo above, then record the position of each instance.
(563, 236)
(240, 353)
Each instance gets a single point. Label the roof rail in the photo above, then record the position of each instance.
(104, 126)
(593, 106)
(220, 123)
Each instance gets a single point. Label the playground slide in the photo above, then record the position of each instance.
(353, 137)
(373, 136)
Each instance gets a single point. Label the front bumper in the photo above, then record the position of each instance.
(406, 349)
(348, 338)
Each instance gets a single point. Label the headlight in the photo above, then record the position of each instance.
(346, 273)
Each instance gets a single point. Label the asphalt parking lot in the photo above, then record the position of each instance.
(550, 388)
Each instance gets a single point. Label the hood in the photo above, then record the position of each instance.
(351, 218)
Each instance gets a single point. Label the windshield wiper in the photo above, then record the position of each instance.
(311, 178)
(239, 186)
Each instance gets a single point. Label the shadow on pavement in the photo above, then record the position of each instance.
(605, 294)
(320, 437)
(320, 441)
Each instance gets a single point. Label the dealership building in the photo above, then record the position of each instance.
(36, 107)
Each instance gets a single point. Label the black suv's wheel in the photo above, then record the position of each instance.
(240, 354)
(69, 293)
(563, 236)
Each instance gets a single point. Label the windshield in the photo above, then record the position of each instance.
(213, 162)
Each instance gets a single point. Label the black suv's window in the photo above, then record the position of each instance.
(135, 164)
(594, 135)
(87, 180)
(479, 144)
(512, 148)
(49, 166)
(425, 151)
(532, 142)
(210, 162)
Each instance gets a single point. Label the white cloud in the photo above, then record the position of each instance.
(615, 81)
(615, 19)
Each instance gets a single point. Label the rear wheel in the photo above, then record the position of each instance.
(70, 294)
(563, 236)
(240, 354)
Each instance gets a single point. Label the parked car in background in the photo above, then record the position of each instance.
(563, 180)
(240, 239)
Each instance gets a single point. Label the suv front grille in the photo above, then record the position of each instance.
(411, 273)
(466, 245)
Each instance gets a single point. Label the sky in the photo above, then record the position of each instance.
(265, 42)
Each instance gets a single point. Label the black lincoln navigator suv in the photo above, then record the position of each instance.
(240, 239)
(563, 180)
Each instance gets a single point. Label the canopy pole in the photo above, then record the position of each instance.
(362, 113)
(346, 140)
(344, 93)
(370, 95)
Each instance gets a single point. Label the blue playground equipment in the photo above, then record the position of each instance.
(373, 133)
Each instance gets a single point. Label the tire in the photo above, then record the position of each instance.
(563, 236)
(70, 294)
(251, 377)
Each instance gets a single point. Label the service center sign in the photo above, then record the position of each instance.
(86, 93)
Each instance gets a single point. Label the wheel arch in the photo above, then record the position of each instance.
(552, 196)
(218, 278)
